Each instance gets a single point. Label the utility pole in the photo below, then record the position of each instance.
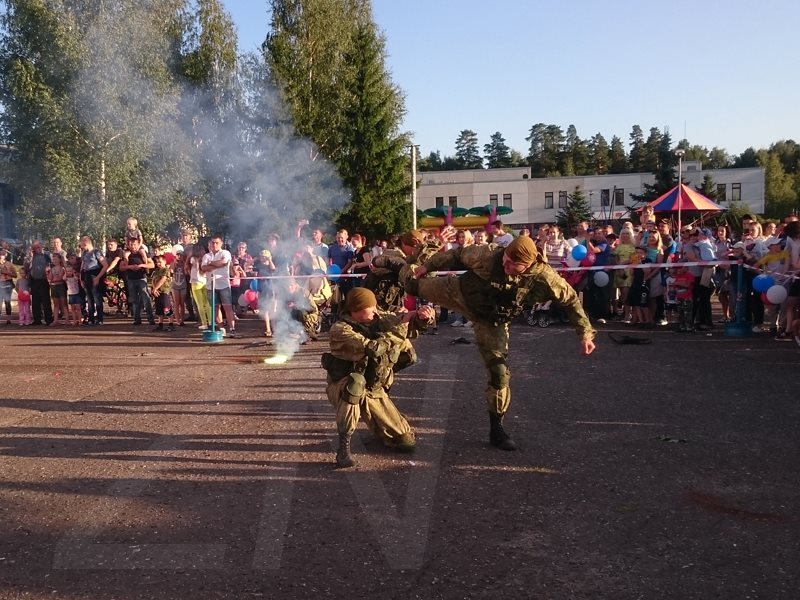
(413, 186)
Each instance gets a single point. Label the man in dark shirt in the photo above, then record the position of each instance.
(37, 267)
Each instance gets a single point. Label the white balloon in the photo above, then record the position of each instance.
(601, 279)
(572, 261)
(572, 242)
(777, 294)
(243, 301)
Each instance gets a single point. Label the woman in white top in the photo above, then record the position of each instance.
(197, 281)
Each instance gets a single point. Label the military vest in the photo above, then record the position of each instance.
(501, 297)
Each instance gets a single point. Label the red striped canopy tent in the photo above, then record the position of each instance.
(683, 198)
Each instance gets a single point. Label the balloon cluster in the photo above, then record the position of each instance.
(578, 255)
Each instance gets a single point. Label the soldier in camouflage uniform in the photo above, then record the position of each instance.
(384, 278)
(301, 307)
(490, 294)
(367, 347)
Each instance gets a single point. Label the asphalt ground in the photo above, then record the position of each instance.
(141, 465)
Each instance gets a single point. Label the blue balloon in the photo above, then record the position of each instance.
(579, 252)
(254, 285)
(334, 270)
(763, 282)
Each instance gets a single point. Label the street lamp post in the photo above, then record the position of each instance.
(679, 153)
(413, 186)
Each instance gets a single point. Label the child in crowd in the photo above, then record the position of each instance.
(132, 231)
(58, 288)
(684, 287)
(162, 288)
(24, 299)
(264, 267)
(639, 293)
(623, 278)
(237, 274)
(7, 275)
(774, 261)
(179, 287)
(73, 296)
(670, 297)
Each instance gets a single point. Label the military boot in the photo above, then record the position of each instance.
(343, 457)
(497, 435)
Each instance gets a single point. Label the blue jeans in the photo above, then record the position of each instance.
(94, 298)
(138, 294)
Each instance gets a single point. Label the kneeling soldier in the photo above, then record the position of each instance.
(367, 347)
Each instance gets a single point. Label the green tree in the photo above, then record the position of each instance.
(536, 138)
(467, 154)
(617, 156)
(577, 210)
(552, 151)
(780, 195)
(747, 159)
(599, 154)
(708, 188)
(636, 156)
(306, 52)
(651, 150)
(496, 152)
(718, 158)
(665, 174)
(92, 119)
(374, 167)
(432, 162)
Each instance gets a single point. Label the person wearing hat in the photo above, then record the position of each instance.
(497, 284)
(366, 348)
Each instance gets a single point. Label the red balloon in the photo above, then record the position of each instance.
(589, 260)
(765, 300)
(251, 296)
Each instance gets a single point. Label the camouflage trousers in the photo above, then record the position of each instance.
(491, 340)
(375, 408)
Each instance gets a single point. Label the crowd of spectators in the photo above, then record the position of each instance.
(172, 284)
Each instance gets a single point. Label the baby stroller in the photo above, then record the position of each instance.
(539, 314)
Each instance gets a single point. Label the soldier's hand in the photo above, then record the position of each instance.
(420, 271)
(447, 234)
(587, 347)
(426, 313)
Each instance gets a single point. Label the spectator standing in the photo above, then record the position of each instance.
(24, 299)
(93, 268)
(74, 298)
(37, 268)
(186, 242)
(135, 264)
(361, 261)
(162, 292)
(197, 284)
(7, 275)
(320, 247)
(555, 248)
(179, 286)
(499, 235)
(56, 247)
(58, 288)
(216, 265)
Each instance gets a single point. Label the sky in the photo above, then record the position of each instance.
(723, 72)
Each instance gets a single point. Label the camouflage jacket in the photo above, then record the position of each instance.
(496, 298)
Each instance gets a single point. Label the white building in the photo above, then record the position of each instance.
(537, 201)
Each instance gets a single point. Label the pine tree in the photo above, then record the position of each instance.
(708, 188)
(651, 151)
(374, 166)
(617, 156)
(536, 150)
(497, 153)
(636, 156)
(599, 154)
(467, 154)
(577, 210)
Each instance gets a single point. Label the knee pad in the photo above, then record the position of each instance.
(499, 374)
(355, 389)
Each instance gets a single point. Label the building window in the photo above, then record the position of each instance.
(562, 199)
(722, 192)
(493, 199)
(605, 197)
(548, 199)
(619, 197)
(439, 201)
(452, 201)
(507, 200)
(736, 192)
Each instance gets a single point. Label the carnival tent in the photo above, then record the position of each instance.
(683, 198)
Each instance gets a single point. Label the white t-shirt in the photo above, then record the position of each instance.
(195, 276)
(503, 240)
(219, 278)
